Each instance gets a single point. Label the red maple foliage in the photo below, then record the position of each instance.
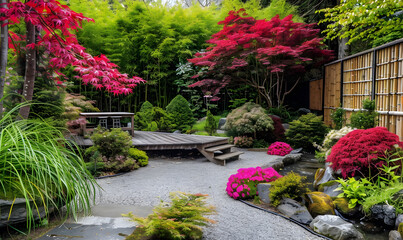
(360, 151)
(57, 24)
(260, 53)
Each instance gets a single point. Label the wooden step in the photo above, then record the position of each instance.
(219, 148)
(228, 156)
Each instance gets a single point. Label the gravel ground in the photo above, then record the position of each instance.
(235, 220)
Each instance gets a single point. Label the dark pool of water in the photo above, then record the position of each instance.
(307, 167)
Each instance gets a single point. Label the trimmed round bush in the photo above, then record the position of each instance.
(359, 153)
(139, 155)
(243, 184)
(291, 186)
(305, 131)
(279, 148)
(249, 120)
(243, 141)
(181, 113)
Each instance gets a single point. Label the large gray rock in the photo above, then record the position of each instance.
(264, 190)
(221, 123)
(399, 219)
(330, 188)
(384, 213)
(292, 158)
(323, 176)
(336, 228)
(394, 235)
(18, 213)
(295, 210)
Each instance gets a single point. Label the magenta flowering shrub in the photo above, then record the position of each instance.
(243, 184)
(279, 148)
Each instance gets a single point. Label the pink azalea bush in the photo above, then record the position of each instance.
(279, 148)
(243, 184)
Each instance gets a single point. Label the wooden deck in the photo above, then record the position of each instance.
(215, 149)
(163, 141)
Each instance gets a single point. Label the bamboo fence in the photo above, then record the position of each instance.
(376, 74)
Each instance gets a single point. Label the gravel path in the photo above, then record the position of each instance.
(235, 220)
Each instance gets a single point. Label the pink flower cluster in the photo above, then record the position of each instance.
(243, 184)
(279, 148)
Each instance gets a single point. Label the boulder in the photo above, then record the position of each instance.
(19, 211)
(335, 228)
(394, 235)
(385, 214)
(295, 151)
(341, 204)
(303, 110)
(264, 190)
(177, 132)
(320, 204)
(292, 158)
(295, 210)
(286, 126)
(330, 188)
(323, 176)
(399, 219)
(221, 123)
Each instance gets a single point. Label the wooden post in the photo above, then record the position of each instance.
(84, 127)
(132, 118)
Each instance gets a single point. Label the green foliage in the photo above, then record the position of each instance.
(384, 195)
(37, 164)
(111, 142)
(305, 131)
(211, 124)
(153, 119)
(338, 117)
(364, 21)
(181, 113)
(249, 120)
(260, 143)
(355, 190)
(366, 118)
(285, 114)
(291, 186)
(139, 155)
(180, 219)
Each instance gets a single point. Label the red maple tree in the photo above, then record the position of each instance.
(268, 55)
(51, 27)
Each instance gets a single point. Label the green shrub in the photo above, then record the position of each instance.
(366, 118)
(338, 117)
(111, 142)
(250, 120)
(180, 219)
(181, 113)
(139, 155)
(305, 131)
(211, 124)
(153, 119)
(243, 141)
(119, 163)
(291, 186)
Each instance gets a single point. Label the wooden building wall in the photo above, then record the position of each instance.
(316, 94)
(376, 74)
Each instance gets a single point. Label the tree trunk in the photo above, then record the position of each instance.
(3, 56)
(30, 70)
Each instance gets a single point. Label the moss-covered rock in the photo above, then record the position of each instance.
(330, 188)
(341, 204)
(320, 204)
(400, 229)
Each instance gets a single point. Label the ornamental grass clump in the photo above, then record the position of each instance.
(279, 149)
(360, 152)
(182, 218)
(243, 184)
(38, 165)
